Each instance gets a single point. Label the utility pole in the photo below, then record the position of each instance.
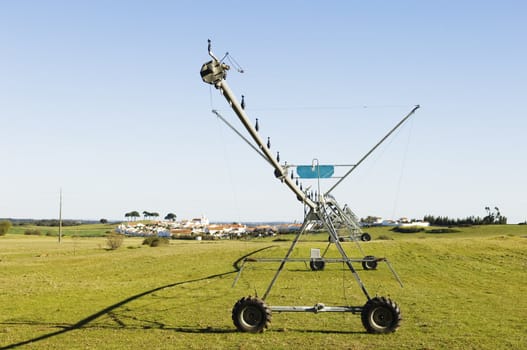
(60, 216)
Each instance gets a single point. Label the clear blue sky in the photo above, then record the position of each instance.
(104, 100)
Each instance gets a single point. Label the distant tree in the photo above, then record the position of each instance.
(489, 219)
(171, 217)
(103, 221)
(154, 215)
(5, 225)
(128, 216)
(500, 219)
(494, 217)
(135, 214)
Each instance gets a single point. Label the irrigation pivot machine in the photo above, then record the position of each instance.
(252, 313)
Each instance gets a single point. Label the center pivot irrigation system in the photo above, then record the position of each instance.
(252, 313)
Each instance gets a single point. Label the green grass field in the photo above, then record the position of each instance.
(88, 230)
(461, 291)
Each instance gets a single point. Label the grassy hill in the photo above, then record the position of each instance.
(461, 291)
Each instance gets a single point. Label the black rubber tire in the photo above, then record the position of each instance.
(251, 314)
(317, 264)
(381, 315)
(369, 263)
(365, 237)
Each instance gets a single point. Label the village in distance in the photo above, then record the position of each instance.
(201, 227)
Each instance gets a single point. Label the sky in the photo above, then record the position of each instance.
(103, 101)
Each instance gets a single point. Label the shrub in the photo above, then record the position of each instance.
(385, 237)
(155, 241)
(33, 232)
(442, 230)
(408, 229)
(5, 225)
(114, 240)
(184, 237)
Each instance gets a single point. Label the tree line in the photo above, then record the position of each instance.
(47, 222)
(133, 215)
(493, 217)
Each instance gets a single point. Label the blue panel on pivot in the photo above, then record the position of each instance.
(314, 172)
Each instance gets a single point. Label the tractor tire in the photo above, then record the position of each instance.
(365, 237)
(251, 314)
(369, 263)
(381, 315)
(317, 264)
